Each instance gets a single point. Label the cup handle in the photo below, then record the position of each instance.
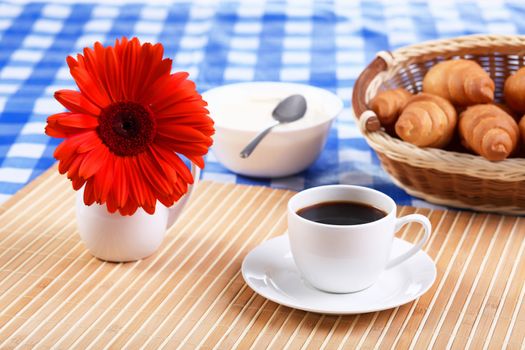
(176, 209)
(427, 226)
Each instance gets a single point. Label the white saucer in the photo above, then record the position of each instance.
(270, 271)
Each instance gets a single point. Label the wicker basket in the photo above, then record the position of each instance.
(444, 177)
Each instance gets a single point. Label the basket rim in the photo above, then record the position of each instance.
(509, 44)
(386, 64)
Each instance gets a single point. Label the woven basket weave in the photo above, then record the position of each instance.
(444, 177)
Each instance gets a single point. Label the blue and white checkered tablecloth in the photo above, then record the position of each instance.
(324, 43)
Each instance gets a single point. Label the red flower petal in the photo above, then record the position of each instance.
(130, 63)
(72, 171)
(65, 124)
(142, 68)
(77, 183)
(197, 160)
(99, 54)
(95, 68)
(156, 68)
(167, 168)
(165, 159)
(89, 88)
(121, 182)
(54, 132)
(137, 190)
(111, 203)
(193, 152)
(183, 134)
(130, 207)
(103, 179)
(194, 149)
(85, 141)
(141, 193)
(163, 86)
(93, 162)
(73, 120)
(64, 163)
(76, 102)
(182, 187)
(89, 144)
(201, 122)
(120, 45)
(184, 109)
(184, 93)
(113, 77)
(89, 193)
(154, 174)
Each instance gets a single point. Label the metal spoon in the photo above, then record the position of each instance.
(288, 110)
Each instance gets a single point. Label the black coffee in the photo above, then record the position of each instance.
(341, 213)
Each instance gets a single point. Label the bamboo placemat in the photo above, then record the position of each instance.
(191, 293)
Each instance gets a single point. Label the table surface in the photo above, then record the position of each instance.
(322, 43)
(191, 293)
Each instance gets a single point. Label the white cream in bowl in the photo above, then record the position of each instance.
(252, 112)
(240, 111)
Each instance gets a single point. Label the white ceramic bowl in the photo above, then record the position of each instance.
(289, 148)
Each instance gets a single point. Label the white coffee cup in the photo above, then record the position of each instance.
(347, 258)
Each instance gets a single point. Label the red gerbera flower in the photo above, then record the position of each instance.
(127, 125)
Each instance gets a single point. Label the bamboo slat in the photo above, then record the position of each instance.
(190, 294)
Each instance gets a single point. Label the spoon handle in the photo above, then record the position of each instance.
(245, 153)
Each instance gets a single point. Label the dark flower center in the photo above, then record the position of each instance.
(127, 128)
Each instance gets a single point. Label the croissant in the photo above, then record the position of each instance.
(514, 91)
(387, 105)
(427, 121)
(489, 131)
(462, 82)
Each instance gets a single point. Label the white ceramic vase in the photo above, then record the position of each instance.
(117, 238)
